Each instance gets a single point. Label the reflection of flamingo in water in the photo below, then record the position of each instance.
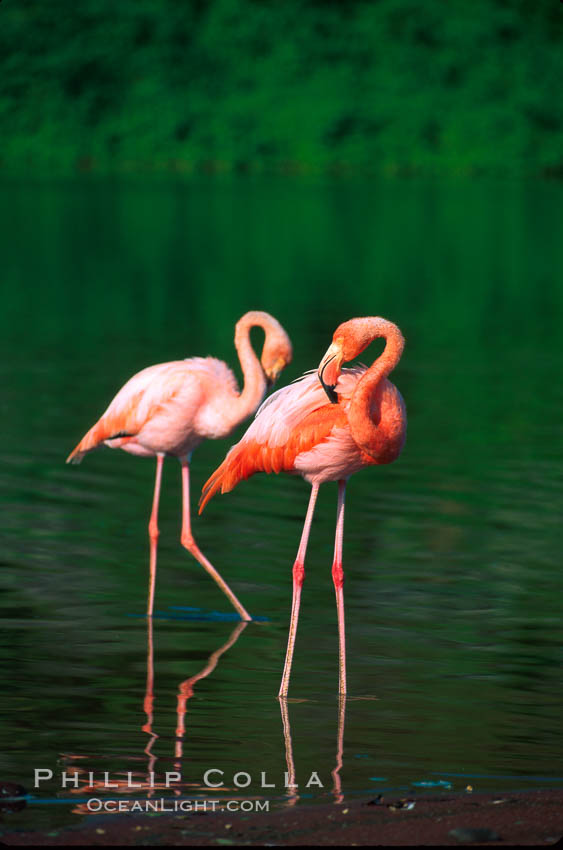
(185, 691)
(170, 408)
(152, 783)
(186, 688)
(296, 431)
(292, 794)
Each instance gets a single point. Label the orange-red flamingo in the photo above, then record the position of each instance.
(170, 408)
(296, 431)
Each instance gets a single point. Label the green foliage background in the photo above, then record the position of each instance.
(388, 86)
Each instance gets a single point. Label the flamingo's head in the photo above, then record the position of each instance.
(348, 341)
(276, 354)
(277, 350)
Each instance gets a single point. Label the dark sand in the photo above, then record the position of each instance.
(517, 818)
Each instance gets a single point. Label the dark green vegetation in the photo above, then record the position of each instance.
(394, 86)
(452, 554)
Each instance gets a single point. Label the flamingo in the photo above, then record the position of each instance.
(170, 408)
(296, 431)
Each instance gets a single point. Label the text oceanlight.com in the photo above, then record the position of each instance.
(94, 805)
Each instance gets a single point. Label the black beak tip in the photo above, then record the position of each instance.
(328, 388)
(331, 393)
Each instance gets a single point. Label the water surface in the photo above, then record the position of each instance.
(452, 555)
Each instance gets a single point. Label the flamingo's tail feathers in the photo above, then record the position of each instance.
(209, 489)
(225, 477)
(75, 456)
(95, 437)
(243, 460)
(88, 443)
(214, 482)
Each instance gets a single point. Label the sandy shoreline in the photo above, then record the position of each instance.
(517, 818)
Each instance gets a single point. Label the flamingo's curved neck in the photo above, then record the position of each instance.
(364, 411)
(254, 388)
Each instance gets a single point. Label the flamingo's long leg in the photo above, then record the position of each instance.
(338, 579)
(298, 579)
(154, 532)
(192, 547)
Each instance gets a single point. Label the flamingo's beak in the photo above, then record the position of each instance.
(273, 372)
(329, 370)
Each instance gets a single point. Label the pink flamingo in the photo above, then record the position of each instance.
(170, 408)
(296, 431)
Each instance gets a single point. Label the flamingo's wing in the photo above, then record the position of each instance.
(285, 409)
(140, 399)
(291, 421)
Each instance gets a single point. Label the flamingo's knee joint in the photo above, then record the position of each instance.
(298, 573)
(187, 541)
(338, 575)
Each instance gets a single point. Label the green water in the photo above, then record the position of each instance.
(452, 554)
